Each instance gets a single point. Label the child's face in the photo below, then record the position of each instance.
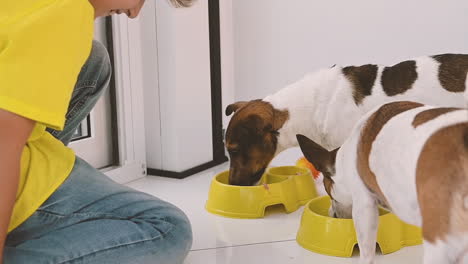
(109, 7)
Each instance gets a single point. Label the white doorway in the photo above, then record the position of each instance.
(93, 139)
(112, 137)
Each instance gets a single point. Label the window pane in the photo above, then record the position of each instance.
(83, 130)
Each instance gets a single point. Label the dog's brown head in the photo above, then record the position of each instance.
(252, 139)
(325, 162)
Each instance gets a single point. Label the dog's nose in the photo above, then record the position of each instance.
(233, 180)
(235, 177)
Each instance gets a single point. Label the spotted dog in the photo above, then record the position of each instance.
(411, 159)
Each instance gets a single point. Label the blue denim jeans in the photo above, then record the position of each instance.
(90, 218)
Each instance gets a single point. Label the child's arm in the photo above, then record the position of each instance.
(14, 132)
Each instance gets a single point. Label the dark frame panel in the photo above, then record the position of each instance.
(110, 49)
(88, 130)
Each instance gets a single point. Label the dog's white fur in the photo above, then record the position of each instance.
(321, 105)
(393, 159)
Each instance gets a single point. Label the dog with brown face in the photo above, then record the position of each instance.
(411, 159)
(326, 104)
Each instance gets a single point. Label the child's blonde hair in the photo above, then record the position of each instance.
(182, 3)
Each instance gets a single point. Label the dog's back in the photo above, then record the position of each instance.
(415, 159)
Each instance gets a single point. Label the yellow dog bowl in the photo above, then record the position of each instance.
(337, 237)
(289, 185)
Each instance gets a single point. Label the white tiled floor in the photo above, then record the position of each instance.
(219, 240)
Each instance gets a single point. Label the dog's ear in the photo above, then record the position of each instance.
(234, 107)
(279, 118)
(321, 158)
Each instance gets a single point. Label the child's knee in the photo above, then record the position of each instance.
(176, 242)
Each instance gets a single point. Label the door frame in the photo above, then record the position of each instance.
(124, 49)
(124, 39)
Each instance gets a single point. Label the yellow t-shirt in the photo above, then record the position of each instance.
(43, 45)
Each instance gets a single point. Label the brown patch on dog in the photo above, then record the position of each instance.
(251, 140)
(430, 114)
(452, 71)
(399, 78)
(369, 132)
(363, 79)
(442, 182)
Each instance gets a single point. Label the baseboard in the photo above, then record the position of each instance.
(186, 173)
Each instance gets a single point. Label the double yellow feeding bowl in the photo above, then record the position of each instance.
(291, 186)
(337, 237)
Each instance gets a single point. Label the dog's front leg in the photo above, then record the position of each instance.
(366, 220)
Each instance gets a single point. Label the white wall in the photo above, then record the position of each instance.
(277, 41)
(150, 79)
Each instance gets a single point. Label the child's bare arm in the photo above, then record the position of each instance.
(14, 132)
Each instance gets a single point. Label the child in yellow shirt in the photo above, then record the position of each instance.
(54, 207)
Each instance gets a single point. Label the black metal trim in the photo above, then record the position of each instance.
(88, 130)
(79, 138)
(216, 87)
(88, 125)
(185, 173)
(219, 155)
(112, 91)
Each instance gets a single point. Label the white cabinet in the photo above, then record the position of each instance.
(176, 69)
